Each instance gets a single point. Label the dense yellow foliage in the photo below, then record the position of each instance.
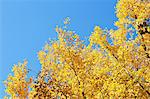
(72, 70)
(17, 84)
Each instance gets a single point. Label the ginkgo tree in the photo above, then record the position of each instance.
(112, 65)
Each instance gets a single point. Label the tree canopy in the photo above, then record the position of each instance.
(112, 65)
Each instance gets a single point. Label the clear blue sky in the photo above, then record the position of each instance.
(25, 26)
